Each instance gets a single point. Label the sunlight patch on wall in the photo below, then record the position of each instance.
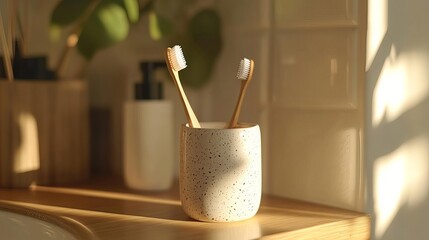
(402, 85)
(377, 12)
(400, 178)
(26, 157)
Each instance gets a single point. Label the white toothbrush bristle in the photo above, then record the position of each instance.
(177, 58)
(243, 69)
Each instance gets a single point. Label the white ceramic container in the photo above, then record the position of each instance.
(148, 145)
(220, 172)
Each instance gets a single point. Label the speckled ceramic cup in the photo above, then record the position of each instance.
(220, 172)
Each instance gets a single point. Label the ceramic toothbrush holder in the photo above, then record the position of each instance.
(220, 172)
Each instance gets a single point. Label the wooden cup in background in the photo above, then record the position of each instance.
(43, 132)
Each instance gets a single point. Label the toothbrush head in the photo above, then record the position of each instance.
(243, 69)
(176, 57)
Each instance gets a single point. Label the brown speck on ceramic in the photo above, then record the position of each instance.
(220, 172)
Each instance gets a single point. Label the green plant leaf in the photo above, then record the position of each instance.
(106, 26)
(200, 66)
(159, 27)
(132, 9)
(205, 24)
(201, 47)
(65, 13)
(55, 32)
(205, 30)
(68, 11)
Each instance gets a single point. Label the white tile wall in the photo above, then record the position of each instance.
(313, 156)
(300, 13)
(315, 68)
(245, 15)
(316, 110)
(309, 91)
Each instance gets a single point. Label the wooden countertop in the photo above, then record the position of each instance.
(106, 209)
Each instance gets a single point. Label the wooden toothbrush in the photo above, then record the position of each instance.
(175, 62)
(245, 73)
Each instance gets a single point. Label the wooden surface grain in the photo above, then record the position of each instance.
(108, 210)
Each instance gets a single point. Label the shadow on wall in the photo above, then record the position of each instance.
(397, 140)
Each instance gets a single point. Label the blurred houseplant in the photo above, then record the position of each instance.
(93, 25)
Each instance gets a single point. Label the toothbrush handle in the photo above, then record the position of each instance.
(243, 88)
(190, 115)
(236, 114)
